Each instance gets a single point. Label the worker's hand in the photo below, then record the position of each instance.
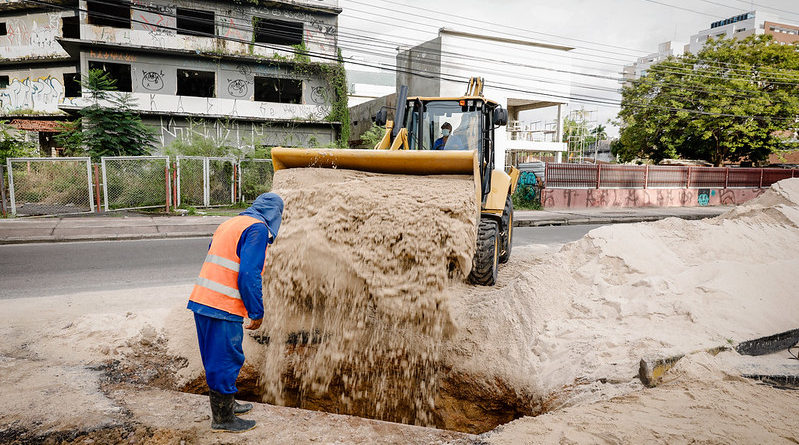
(254, 324)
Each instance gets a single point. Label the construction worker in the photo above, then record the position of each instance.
(227, 291)
(446, 129)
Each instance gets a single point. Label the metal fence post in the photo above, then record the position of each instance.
(233, 182)
(206, 182)
(240, 196)
(646, 176)
(89, 180)
(688, 179)
(726, 177)
(2, 193)
(97, 186)
(177, 182)
(167, 190)
(105, 183)
(598, 173)
(11, 188)
(761, 178)
(174, 185)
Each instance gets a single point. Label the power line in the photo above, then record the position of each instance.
(442, 76)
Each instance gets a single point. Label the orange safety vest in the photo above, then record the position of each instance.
(218, 284)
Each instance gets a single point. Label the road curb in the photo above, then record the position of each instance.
(600, 220)
(70, 239)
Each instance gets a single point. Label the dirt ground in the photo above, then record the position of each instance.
(92, 368)
(559, 337)
(94, 371)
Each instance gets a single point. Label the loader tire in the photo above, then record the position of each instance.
(486, 257)
(506, 231)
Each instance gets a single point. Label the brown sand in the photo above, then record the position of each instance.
(360, 265)
(700, 402)
(571, 327)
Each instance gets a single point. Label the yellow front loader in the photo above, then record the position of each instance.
(414, 145)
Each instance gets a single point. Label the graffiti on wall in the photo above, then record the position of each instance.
(41, 94)
(152, 80)
(238, 87)
(31, 33)
(608, 198)
(238, 134)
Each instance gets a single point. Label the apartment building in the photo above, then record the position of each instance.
(235, 71)
(738, 26)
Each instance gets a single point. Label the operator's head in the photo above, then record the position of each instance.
(446, 129)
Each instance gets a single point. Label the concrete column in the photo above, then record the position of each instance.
(559, 133)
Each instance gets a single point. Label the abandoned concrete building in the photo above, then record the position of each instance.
(240, 72)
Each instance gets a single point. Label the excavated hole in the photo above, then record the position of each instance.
(464, 402)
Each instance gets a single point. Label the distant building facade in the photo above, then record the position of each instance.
(224, 69)
(738, 26)
(640, 67)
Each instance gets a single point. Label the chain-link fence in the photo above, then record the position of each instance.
(255, 177)
(50, 186)
(205, 181)
(190, 181)
(135, 182)
(220, 181)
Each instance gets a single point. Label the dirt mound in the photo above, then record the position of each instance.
(700, 402)
(573, 326)
(360, 267)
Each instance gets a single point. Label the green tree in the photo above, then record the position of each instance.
(730, 102)
(13, 145)
(106, 130)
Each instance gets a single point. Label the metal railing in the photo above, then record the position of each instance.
(50, 186)
(608, 176)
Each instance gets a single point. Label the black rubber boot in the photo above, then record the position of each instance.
(222, 416)
(242, 408)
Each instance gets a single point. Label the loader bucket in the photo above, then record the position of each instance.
(407, 162)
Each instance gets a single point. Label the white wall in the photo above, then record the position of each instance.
(510, 70)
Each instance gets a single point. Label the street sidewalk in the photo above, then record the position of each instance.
(99, 228)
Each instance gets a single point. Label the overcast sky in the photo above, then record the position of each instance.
(612, 32)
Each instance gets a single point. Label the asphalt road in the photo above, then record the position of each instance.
(31, 270)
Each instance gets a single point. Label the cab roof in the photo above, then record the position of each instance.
(437, 99)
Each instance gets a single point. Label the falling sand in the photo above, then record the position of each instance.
(367, 285)
(356, 287)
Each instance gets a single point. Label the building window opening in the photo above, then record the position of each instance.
(3, 29)
(193, 22)
(72, 85)
(196, 83)
(105, 13)
(70, 27)
(117, 71)
(4, 81)
(279, 32)
(271, 89)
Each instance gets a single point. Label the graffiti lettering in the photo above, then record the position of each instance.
(110, 55)
(41, 94)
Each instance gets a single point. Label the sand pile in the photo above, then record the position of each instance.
(573, 326)
(355, 284)
(701, 401)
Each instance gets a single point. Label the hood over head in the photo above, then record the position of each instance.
(268, 208)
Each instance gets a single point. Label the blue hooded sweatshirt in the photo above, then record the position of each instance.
(251, 249)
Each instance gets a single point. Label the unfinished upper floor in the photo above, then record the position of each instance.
(267, 29)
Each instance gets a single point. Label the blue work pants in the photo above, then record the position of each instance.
(220, 349)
